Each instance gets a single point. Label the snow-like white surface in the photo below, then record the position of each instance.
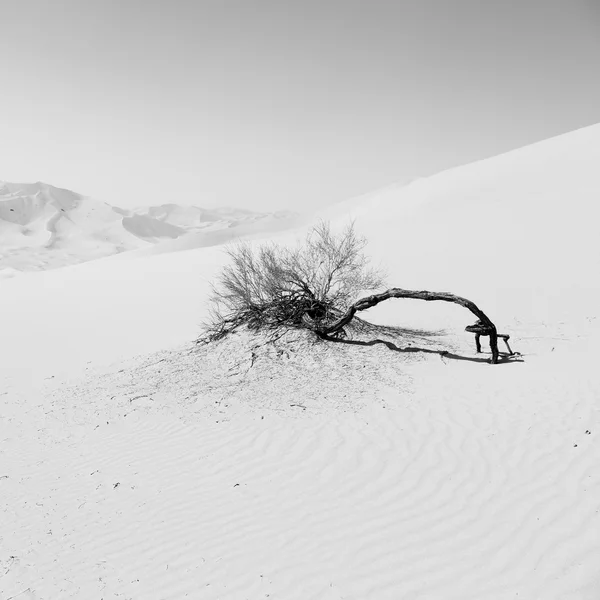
(45, 227)
(327, 471)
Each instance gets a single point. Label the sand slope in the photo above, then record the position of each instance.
(397, 464)
(448, 480)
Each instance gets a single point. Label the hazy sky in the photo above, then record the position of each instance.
(282, 104)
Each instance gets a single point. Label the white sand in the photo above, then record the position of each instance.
(312, 470)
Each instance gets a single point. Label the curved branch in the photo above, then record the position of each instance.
(484, 327)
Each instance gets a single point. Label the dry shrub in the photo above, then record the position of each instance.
(273, 286)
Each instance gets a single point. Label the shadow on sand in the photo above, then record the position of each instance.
(414, 334)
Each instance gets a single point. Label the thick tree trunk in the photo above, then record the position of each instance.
(485, 324)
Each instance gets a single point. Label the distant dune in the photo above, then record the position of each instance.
(45, 227)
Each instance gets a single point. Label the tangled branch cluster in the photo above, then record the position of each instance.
(273, 286)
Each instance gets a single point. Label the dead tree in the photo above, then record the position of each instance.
(484, 325)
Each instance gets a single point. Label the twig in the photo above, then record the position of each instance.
(19, 594)
(138, 397)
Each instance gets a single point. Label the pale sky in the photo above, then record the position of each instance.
(277, 104)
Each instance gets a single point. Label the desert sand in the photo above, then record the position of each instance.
(137, 464)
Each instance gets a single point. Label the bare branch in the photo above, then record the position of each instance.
(273, 286)
(484, 326)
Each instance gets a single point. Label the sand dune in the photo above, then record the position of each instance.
(396, 464)
(45, 227)
(518, 231)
